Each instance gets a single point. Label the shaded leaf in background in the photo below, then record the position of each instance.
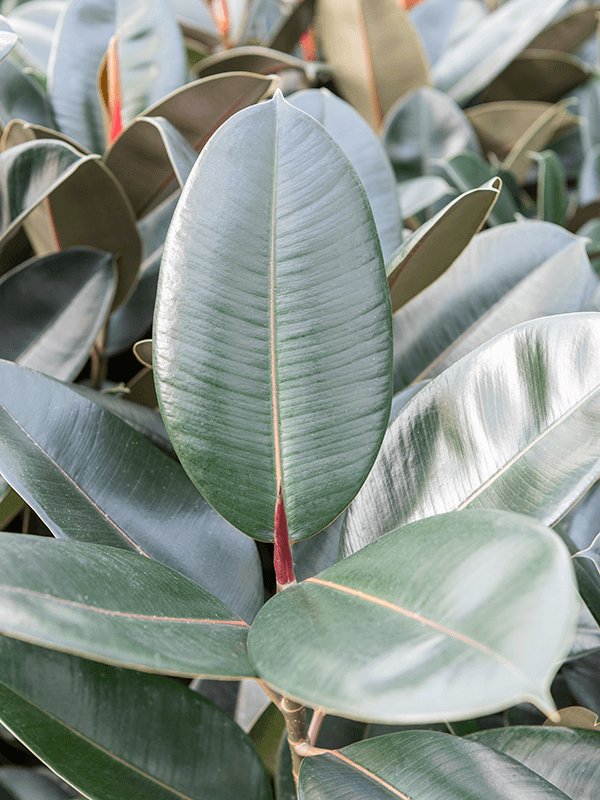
(465, 68)
(418, 764)
(487, 433)
(374, 51)
(424, 126)
(116, 607)
(489, 631)
(7, 41)
(433, 247)
(551, 188)
(226, 370)
(433, 21)
(258, 60)
(129, 495)
(178, 744)
(364, 149)
(567, 758)
(21, 97)
(510, 273)
(417, 194)
(53, 309)
(569, 31)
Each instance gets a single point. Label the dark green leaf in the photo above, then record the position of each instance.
(21, 97)
(94, 725)
(420, 764)
(128, 495)
(262, 372)
(388, 643)
(53, 309)
(567, 758)
(116, 607)
(501, 428)
(551, 188)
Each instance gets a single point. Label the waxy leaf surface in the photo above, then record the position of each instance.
(423, 765)
(138, 736)
(116, 607)
(514, 424)
(448, 618)
(271, 338)
(92, 478)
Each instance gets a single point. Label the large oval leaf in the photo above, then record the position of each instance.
(21, 97)
(510, 273)
(420, 764)
(271, 343)
(448, 618)
(567, 758)
(364, 149)
(116, 607)
(53, 309)
(375, 53)
(92, 478)
(515, 424)
(139, 736)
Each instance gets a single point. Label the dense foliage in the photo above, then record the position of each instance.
(337, 535)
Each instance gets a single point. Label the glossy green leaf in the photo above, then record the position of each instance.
(21, 97)
(53, 309)
(581, 676)
(129, 495)
(501, 428)
(374, 51)
(364, 149)
(263, 373)
(116, 607)
(466, 171)
(33, 783)
(468, 66)
(422, 127)
(565, 757)
(429, 252)
(151, 159)
(73, 712)
(388, 644)
(150, 51)
(510, 273)
(420, 764)
(551, 188)
(537, 75)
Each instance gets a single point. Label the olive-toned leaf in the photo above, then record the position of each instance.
(575, 717)
(420, 193)
(429, 252)
(273, 384)
(487, 432)
(422, 127)
(567, 758)
(375, 53)
(198, 108)
(33, 783)
(10, 504)
(129, 495)
(285, 36)
(364, 149)
(85, 205)
(392, 766)
(551, 188)
(18, 132)
(53, 309)
(143, 352)
(537, 75)
(466, 171)
(384, 649)
(21, 97)
(70, 711)
(252, 59)
(570, 31)
(500, 126)
(433, 21)
(62, 595)
(151, 55)
(474, 61)
(535, 139)
(151, 159)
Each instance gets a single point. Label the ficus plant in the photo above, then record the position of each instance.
(359, 506)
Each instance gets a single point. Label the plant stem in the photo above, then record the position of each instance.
(315, 726)
(297, 733)
(99, 359)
